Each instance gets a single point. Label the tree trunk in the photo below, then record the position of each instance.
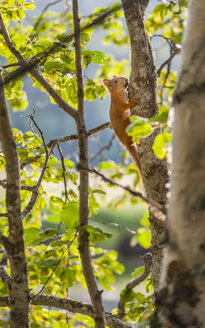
(18, 288)
(143, 87)
(181, 299)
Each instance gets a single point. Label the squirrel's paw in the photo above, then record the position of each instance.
(134, 102)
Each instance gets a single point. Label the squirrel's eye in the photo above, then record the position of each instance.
(115, 81)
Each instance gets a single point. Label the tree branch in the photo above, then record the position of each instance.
(3, 274)
(135, 282)
(84, 247)
(71, 306)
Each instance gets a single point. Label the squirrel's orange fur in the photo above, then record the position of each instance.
(120, 115)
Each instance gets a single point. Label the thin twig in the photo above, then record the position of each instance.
(11, 65)
(103, 148)
(132, 192)
(167, 61)
(43, 12)
(35, 189)
(40, 131)
(135, 282)
(64, 172)
(168, 40)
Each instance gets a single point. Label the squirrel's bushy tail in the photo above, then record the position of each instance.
(133, 152)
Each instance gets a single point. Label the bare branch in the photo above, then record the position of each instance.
(135, 282)
(4, 215)
(75, 136)
(167, 61)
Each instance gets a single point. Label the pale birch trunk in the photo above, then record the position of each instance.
(181, 300)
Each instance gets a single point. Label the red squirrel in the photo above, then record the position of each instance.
(120, 115)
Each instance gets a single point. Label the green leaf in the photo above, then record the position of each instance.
(55, 208)
(107, 166)
(29, 6)
(98, 191)
(159, 145)
(19, 40)
(48, 263)
(144, 237)
(127, 295)
(96, 234)
(70, 214)
(69, 163)
(85, 37)
(138, 271)
(70, 276)
(140, 297)
(162, 116)
(54, 218)
(30, 234)
(93, 205)
(47, 233)
(139, 128)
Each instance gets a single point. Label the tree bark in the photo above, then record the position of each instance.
(181, 299)
(18, 288)
(143, 87)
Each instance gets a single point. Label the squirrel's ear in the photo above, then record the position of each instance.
(114, 76)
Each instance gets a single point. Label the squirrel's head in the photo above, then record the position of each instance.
(116, 85)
